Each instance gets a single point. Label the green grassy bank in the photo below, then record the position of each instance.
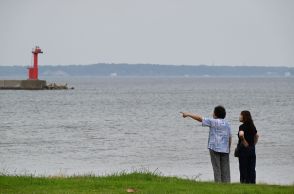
(139, 182)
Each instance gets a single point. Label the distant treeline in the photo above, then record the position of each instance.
(103, 69)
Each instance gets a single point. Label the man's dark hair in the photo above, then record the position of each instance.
(220, 112)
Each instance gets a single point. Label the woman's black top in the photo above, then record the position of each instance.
(249, 133)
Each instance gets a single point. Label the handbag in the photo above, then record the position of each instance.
(237, 151)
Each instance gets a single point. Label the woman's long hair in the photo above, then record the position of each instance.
(247, 119)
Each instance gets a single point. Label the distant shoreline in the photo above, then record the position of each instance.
(143, 70)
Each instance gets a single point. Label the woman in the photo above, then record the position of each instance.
(248, 138)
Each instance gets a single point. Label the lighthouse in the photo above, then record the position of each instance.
(33, 82)
(33, 71)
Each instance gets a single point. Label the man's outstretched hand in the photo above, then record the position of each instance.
(184, 114)
(193, 116)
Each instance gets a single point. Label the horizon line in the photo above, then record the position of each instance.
(151, 64)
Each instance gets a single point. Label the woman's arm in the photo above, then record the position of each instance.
(242, 138)
(256, 138)
(193, 116)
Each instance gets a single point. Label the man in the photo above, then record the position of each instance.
(219, 142)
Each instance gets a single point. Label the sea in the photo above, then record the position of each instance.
(118, 124)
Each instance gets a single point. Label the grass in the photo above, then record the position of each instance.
(141, 182)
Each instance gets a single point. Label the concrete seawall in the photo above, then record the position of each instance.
(22, 84)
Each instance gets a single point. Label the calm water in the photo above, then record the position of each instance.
(108, 125)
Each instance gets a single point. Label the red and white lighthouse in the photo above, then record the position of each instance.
(33, 71)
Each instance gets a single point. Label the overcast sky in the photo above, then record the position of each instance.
(191, 32)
